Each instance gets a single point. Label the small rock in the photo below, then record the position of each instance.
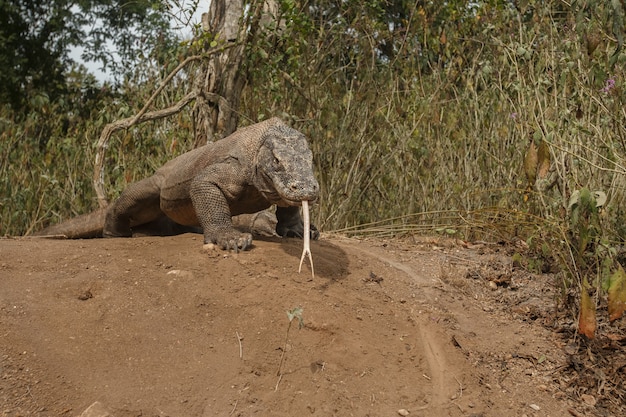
(86, 295)
(534, 407)
(493, 285)
(403, 412)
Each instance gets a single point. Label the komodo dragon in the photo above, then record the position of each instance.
(257, 166)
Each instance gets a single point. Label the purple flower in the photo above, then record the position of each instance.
(610, 84)
(513, 115)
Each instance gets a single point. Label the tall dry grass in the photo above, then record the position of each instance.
(417, 147)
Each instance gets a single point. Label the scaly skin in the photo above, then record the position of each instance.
(255, 167)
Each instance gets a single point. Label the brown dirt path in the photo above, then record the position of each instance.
(161, 327)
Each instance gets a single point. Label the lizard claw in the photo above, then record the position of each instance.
(234, 241)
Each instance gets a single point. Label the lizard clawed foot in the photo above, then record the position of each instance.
(231, 239)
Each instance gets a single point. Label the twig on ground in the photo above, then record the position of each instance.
(234, 407)
(240, 346)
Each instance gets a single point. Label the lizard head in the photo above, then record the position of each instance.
(284, 167)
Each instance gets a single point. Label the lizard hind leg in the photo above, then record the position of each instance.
(138, 204)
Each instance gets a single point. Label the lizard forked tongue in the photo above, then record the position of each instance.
(306, 250)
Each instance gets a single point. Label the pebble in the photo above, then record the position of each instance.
(86, 295)
(534, 407)
(403, 412)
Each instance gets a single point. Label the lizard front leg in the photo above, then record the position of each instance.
(214, 216)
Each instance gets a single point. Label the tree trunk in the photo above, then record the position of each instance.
(219, 80)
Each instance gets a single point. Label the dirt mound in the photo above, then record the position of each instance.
(161, 327)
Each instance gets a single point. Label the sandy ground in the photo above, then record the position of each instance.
(159, 326)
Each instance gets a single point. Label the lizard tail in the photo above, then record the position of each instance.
(81, 227)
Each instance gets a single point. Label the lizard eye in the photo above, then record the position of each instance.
(278, 166)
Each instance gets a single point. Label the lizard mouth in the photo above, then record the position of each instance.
(294, 196)
(297, 202)
(285, 201)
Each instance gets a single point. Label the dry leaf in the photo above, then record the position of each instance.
(617, 294)
(543, 156)
(587, 317)
(530, 163)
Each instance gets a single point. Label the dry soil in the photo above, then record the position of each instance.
(160, 326)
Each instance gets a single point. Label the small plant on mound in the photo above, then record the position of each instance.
(294, 313)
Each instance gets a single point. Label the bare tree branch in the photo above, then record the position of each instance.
(143, 116)
(98, 175)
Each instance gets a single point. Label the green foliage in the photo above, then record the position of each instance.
(585, 223)
(42, 166)
(26, 53)
(36, 38)
(47, 155)
(52, 112)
